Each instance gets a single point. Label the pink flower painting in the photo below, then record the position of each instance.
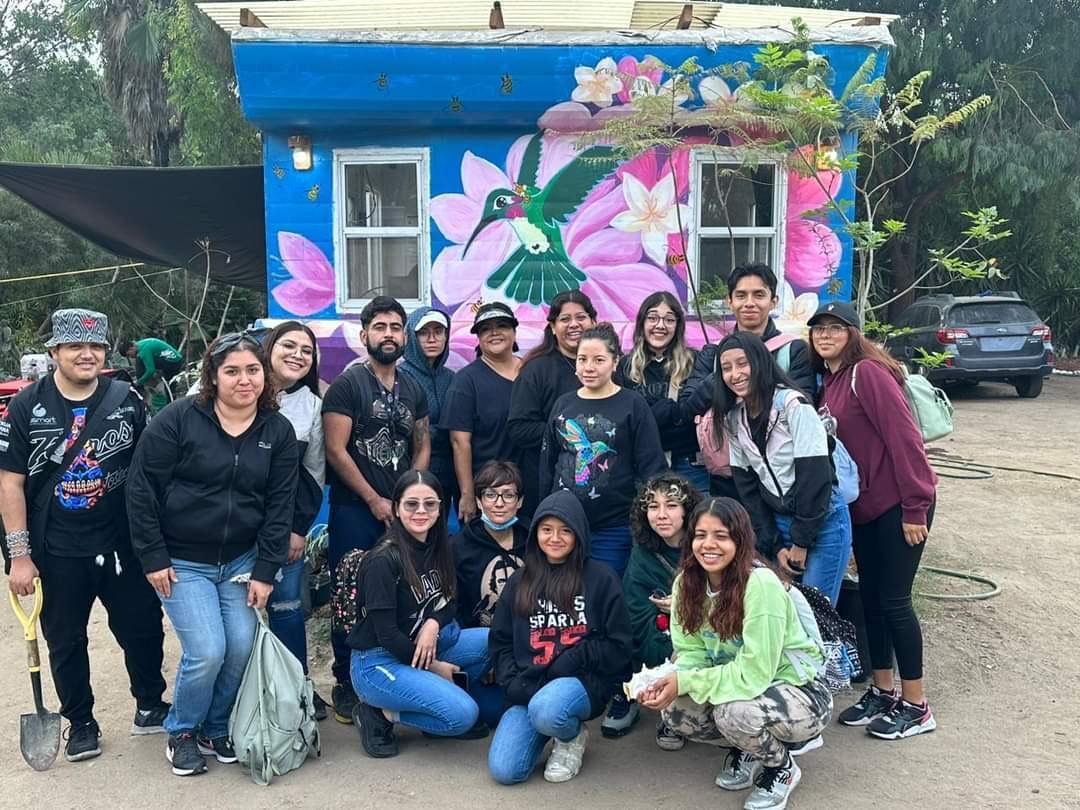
(311, 288)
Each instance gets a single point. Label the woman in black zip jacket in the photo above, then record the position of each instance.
(561, 645)
(210, 502)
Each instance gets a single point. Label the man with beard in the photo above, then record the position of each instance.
(375, 424)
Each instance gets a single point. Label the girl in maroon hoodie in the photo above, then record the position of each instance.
(890, 519)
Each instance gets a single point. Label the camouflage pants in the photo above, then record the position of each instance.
(760, 727)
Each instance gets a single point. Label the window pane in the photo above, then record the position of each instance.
(992, 312)
(383, 266)
(380, 195)
(714, 257)
(747, 193)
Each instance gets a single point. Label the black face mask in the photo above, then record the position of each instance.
(384, 357)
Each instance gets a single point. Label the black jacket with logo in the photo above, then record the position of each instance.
(594, 643)
(196, 494)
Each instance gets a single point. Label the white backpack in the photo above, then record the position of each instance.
(273, 725)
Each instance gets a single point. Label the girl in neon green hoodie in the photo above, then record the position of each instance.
(747, 671)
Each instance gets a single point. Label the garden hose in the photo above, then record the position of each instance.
(995, 589)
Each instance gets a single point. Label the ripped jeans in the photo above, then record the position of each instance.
(420, 698)
(781, 714)
(286, 610)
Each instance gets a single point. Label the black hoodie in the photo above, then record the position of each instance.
(593, 644)
(196, 493)
(483, 568)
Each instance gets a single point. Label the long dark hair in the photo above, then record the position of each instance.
(214, 358)
(671, 485)
(765, 377)
(726, 615)
(550, 344)
(542, 580)
(311, 379)
(398, 536)
(678, 360)
(859, 347)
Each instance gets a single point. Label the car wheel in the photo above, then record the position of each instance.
(1029, 387)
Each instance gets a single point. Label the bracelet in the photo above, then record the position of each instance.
(18, 543)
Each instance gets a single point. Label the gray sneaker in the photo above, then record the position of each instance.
(773, 787)
(740, 771)
(621, 716)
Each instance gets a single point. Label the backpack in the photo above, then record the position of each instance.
(842, 664)
(929, 405)
(714, 449)
(273, 725)
(345, 603)
(799, 659)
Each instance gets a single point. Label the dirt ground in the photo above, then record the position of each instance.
(1002, 676)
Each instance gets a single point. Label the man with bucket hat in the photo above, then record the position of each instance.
(65, 447)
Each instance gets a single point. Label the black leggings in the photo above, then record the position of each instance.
(887, 566)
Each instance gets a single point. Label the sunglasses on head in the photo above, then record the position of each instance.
(226, 343)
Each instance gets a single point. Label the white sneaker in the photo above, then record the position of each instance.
(564, 763)
(740, 771)
(773, 787)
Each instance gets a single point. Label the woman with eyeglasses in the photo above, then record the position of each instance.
(210, 497)
(657, 367)
(411, 662)
(891, 519)
(294, 374)
(547, 372)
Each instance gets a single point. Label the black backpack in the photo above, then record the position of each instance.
(835, 629)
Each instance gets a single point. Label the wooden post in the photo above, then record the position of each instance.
(686, 17)
(249, 19)
(495, 19)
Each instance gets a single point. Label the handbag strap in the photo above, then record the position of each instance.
(663, 561)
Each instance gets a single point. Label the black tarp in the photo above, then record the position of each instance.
(157, 215)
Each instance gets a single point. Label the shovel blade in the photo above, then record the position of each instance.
(39, 739)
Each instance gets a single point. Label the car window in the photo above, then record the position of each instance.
(992, 312)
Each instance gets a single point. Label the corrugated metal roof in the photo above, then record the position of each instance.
(551, 15)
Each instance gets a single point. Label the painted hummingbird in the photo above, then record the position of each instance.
(541, 267)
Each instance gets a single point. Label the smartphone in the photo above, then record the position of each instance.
(659, 594)
(461, 679)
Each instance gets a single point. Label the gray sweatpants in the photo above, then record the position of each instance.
(760, 727)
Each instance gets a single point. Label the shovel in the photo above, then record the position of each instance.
(39, 733)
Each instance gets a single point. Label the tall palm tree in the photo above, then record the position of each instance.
(133, 60)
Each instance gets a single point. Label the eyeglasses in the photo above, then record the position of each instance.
(494, 496)
(668, 320)
(831, 329)
(412, 505)
(288, 347)
(226, 343)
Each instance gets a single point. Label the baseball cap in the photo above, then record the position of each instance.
(432, 316)
(841, 310)
(492, 311)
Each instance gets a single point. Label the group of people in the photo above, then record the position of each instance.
(535, 530)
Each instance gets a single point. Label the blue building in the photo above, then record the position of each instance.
(404, 161)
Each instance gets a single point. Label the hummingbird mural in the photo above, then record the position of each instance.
(586, 452)
(541, 268)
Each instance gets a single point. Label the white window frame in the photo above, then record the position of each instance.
(733, 157)
(344, 158)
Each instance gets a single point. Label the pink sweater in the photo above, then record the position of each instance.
(878, 430)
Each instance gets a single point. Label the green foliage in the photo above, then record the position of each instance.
(931, 359)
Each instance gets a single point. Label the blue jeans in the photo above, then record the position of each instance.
(421, 698)
(216, 630)
(286, 611)
(828, 559)
(351, 526)
(558, 710)
(696, 474)
(612, 546)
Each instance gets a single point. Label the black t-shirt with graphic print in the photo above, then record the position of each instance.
(392, 610)
(86, 513)
(601, 449)
(381, 442)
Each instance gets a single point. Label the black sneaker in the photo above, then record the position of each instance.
(621, 716)
(479, 731)
(903, 720)
(150, 721)
(321, 708)
(82, 741)
(182, 751)
(873, 704)
(376, 732)
(345, 700)
(220, 748)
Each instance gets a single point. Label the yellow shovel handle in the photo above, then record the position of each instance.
(29, 622)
